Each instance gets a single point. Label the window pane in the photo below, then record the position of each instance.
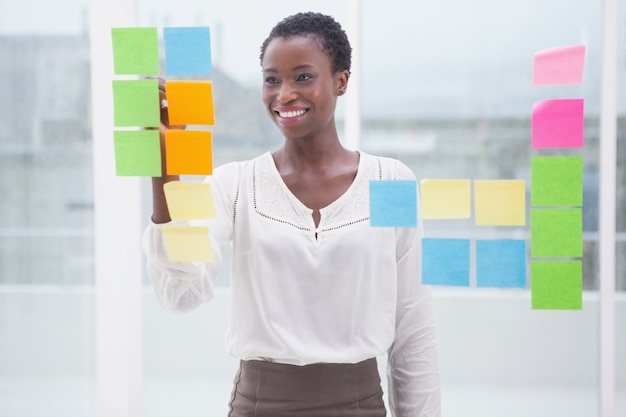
(46, 211)
(196, 379)
(620, 308)
(447, 88)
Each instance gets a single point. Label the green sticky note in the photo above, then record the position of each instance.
(136, 103)
(135, 51)
(137, 153)
(556, 285)
(556, 233)
(557, 181)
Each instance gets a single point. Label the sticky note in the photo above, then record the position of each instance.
(187, 243)
(446, 262)
(501, 263)
(500, 202)
(445, 199)
(136, 103)
(137, 153)
(556, 181)
(393, 203)
(188, 152)
(558, 123)
(561, 65)
(190, 102)
(135, 51)
(187, 50)
(188, 200)
(556, 233)
(556, 285)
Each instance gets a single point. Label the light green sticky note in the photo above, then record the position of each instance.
(556, 285)
(135, 51)
(136, 103)
(556, 233)
(557, 181)
(137, 153)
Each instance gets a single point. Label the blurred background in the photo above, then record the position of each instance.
(444, 86)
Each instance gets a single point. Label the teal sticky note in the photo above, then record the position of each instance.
(556, 181)
(137, 153)
(393, 203)
(136, 103)
(501, 263)
(187, 50)
(556, 285)
(556, 233)
(135, 51)
(446, 262)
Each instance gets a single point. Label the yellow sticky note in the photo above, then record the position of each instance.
(500, 202)
(187, 243)
(188, 200)
(190, 102)
(445, 199)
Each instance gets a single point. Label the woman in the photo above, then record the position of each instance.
(316, 292)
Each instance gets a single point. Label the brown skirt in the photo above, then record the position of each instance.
(266, 389)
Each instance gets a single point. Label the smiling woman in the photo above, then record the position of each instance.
(317, 294)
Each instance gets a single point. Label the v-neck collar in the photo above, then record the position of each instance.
(273, 199)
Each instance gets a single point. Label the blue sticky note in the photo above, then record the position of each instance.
(187, 50)
(501, 263)
(446, 262)
(393, 203)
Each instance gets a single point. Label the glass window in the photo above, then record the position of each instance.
(198, 373)
(620, 307)
(446, 88)
(46, 211)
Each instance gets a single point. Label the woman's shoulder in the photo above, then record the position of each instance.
(389, 168)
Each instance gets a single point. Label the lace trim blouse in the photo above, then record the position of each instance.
(342, 292)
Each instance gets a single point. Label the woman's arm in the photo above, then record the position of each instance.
(160, 213)
(413, 366)
(182, 286)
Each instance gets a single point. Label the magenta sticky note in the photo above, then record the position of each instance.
(558, 123)
(558, 66)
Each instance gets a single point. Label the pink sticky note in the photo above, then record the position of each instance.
(558, 123)
(557, 66)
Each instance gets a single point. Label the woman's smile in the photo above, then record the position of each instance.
(291, 114)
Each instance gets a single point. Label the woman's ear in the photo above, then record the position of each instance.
(342, 82)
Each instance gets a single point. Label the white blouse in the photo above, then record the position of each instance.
(339, 293)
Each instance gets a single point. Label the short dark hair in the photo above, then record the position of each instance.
(323, 28)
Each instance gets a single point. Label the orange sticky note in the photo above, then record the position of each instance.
(187, 243)
(190, 102)
(500, 202)
(188, 152)
(188, 200)
(445, 199)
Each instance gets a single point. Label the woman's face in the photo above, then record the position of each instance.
(299, 88)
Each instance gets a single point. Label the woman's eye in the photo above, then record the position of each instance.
(304, 77)
(271, 80)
